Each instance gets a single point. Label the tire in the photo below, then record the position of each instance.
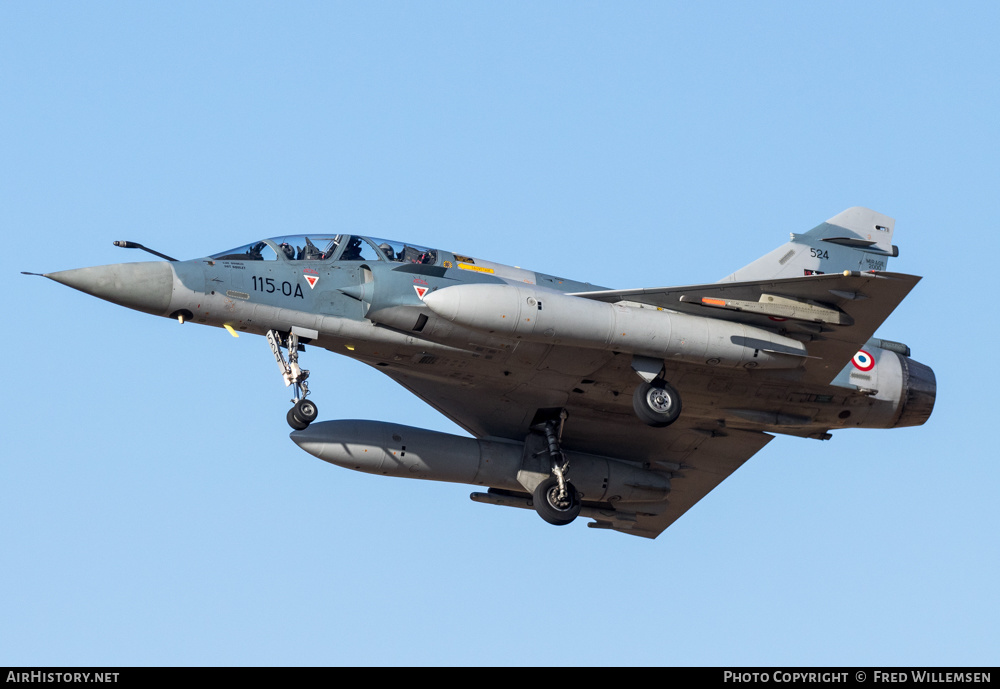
(549, 508)
(306, 411)
(294, 421)
(656, 404)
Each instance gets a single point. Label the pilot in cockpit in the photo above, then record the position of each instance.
(288, 250)
(353, 250)
(310, 252)
(387, 250)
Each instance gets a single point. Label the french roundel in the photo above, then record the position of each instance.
(863, 361)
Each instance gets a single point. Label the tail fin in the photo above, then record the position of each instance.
(857, 239)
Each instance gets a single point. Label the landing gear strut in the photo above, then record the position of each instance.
(556, 499)
(304, 411)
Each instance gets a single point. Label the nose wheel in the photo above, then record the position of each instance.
(302, 414)
(304, 411)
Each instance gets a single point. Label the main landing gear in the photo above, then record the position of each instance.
(556, 499)
(304, 411)
(656, 402)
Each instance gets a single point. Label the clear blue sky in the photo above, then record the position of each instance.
(152, 507)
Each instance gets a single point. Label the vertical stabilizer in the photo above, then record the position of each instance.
(857, 239)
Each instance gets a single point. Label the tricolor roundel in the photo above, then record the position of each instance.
(863, 361)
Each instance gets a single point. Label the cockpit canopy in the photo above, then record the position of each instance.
(324, 247)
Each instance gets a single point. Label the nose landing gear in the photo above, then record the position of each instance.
(304, 411)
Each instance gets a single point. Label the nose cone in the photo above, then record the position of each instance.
(142, 286)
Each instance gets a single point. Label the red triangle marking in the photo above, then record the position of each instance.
(312, 280)
(421, 291)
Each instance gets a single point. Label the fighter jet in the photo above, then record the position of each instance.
(622, 406)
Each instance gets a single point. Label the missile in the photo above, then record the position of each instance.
(389, 449)
(536, 314)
